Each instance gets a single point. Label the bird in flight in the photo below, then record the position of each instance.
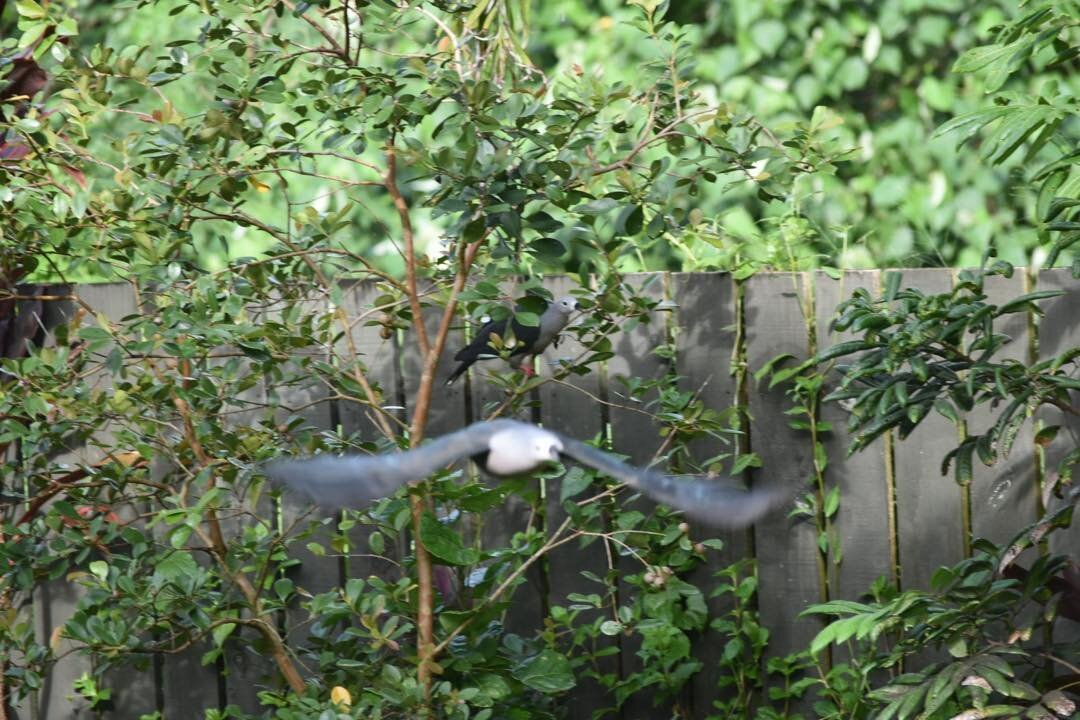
(507, 448)
(529, 340)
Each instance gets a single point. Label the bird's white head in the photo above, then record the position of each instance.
(522, 449)
(566, 305)
(546, 448)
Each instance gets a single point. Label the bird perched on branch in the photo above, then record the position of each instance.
(507, 448)
(527, 340)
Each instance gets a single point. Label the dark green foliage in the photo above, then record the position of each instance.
(1027, 122)
(940, 353)
(997, 629)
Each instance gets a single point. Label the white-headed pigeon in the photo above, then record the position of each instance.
(507, 448)
(529, 340)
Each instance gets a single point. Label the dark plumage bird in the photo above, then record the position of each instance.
(507, 448)
(529, 341)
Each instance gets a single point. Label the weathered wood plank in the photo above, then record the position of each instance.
(571, 406)
(54, 605)
(1058, 331)
(134, 692)
(864, 527)
(523, 510)
(134, 688)
(189, 688)
(185, 682)
(39, 323)
(786, 550)
(1004, 498)
(319, 571)
(862, 523)
(380, 356)
(58, 598)
(704, 346)
(447, 410)
(246, 660)
(928, 505)
(634, 434)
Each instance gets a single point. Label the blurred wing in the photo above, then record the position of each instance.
(715, 502)
(335, 482)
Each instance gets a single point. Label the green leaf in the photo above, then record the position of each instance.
(548, 672)
(376, 543)
(444, 543)
(892, 284)
(67, 28)
(598, 206)
(270, 91)
(573, 483)
(29, 9)
(768, 35)
(179, 535)
(1022, 302)
(832, 501)
(958, 647)
(942, 688)
(100, 569)
(1015, 128)
(547, 248)
(543, 222)
(630, 221)
(970, 123)
(964, 470)
(844, 348)
(977, 58)
(744, 461)
(768, 367)
(853, 73)
(176, 566)
(284, 587)
(946, 410)
(1046, 435)
(528, 319)
(222, 632)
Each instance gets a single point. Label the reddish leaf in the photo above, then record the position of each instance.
(76, 175)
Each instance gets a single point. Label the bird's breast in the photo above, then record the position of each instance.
(503, 464)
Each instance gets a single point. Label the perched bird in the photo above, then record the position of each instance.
(528, 340)
(507, 448)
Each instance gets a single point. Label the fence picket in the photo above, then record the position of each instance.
(786, 550)
(928, 506)
(894, 502)
(704, 347)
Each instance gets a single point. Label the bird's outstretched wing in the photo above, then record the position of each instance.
(718, 502)
(353, 481)
(350, 481)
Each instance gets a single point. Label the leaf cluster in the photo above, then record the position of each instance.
(921, 353)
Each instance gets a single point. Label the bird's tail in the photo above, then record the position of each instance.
(458, 372)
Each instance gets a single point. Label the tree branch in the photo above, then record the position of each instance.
(402, 207)
(216, 541)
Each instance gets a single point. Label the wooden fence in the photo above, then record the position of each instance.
(898, 517)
